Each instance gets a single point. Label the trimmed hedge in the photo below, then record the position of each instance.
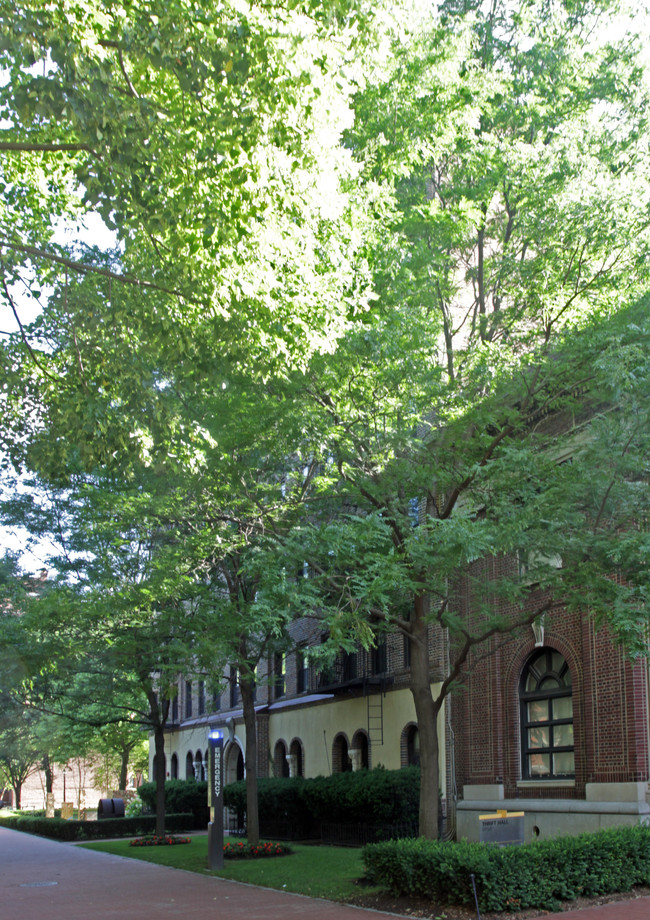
(537, 875)
(58, 829)
(363, 797)
(181, 796)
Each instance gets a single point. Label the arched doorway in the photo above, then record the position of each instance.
(361, 748)
(297, 757)
(341, 762)
(174, 766)
(233, 763)
(280, 765)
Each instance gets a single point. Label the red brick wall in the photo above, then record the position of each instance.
(609, 698)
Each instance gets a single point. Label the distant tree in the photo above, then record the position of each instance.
(20, 752)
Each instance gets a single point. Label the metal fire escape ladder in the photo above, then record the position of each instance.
(375, 703)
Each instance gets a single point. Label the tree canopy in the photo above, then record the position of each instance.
(376, 304)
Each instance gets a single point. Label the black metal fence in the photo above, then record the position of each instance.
(331, 833)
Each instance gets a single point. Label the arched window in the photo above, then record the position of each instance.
(174, 767)
(546, 717)
(189, 766)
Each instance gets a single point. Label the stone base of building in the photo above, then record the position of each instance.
(605, 805)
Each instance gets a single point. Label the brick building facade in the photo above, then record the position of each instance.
(552, 722)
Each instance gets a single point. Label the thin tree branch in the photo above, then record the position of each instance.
(94, 269)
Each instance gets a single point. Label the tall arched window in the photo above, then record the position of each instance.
(547, 717)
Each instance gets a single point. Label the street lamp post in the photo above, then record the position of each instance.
(215, 827)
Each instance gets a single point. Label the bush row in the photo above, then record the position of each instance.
(181, 796)
(366, 796)
(537, 875)
(59, 829)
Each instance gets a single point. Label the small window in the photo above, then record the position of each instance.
(279, 674)
(188, 699)
(201, 697)
(379, 659)
(546, 697)
(302, 671)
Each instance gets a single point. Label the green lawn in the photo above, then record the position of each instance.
(321, 872)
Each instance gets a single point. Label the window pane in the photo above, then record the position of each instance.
(564, 763)
(550, 683)
(557, 662)
(539, 765)
(563, 708)
(538, 738)
(563, 736)
(538, 711)
(531, 683)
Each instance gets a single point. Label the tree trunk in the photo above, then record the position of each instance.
(124, 768)
(426, 711)
(49, 775)
(159, 762)
(252, 813)
(158, 713)
(18, 788)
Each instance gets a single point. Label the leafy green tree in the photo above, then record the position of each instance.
(493, 406)
(20, 753)
(207, 138)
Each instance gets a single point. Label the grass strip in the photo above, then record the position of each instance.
(317, 871)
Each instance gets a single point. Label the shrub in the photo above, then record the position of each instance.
(58, 829)
(537, 875)
(279, 803)
(364, 797)
(181, 796)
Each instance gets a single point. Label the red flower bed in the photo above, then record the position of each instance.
(167, 841)
(245, 851)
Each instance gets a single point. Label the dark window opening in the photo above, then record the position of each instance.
(379, 659)
(278, 676)
(302, 671)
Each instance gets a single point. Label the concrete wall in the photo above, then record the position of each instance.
(606, 805)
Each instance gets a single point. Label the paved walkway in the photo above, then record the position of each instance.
(57, 881)
(45, 879)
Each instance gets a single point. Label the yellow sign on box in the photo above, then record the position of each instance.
(66, 810)
(502, 828)
(502, 813)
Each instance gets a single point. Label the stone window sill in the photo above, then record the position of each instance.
(546, 784)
